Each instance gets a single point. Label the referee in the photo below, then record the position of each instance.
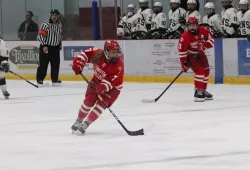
(50, 38)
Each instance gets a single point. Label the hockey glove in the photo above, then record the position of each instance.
(6, 66)
(184, 64)
(78, 64)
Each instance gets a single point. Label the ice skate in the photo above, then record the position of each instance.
(83, 127)
(76, 125)
(6, 94)
(199, 96)
(41, 84)
(57, 83)
(208, 96)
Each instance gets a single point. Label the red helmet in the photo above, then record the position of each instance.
(192, 20)
(111, 45)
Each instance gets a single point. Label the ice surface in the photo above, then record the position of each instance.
(179, 134)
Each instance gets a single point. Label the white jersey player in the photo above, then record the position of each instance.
(4, 67)
(192, 12)
(244, 18)
(159, 22)
(144, 17)
(229, 19)
(127, 24)
(212, 19)
(177, 18)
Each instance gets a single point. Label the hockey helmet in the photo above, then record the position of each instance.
(192, 25)
(191, 5)
(112, 50)
(174, 4)
(243, 5)
(143, 4)
(226, 3)
(131, 10)
(209, 8)
(157, 8)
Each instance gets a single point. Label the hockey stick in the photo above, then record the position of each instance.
(156, 99)
(131, 133)
(23, 78)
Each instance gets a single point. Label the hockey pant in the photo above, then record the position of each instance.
(200, 67)
(92, 107)
(3, 81)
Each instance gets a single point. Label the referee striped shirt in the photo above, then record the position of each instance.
(50, 33)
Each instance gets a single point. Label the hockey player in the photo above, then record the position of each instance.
(177, 20)
(127, 24)
(159, 22)
(229, 19)
(144, 20)
(212, 19)
(244, 18)
(192, 44)
(4, 67)
(192, 12)
(107, 81)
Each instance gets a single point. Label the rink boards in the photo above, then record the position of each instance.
(145, 60)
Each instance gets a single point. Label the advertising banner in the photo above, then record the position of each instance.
(243, 57)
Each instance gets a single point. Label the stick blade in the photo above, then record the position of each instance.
(148, 101)
(136, 133)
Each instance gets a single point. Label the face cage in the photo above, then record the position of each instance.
(191, 6)
(130, 9)
(243, 7)
(157, 9)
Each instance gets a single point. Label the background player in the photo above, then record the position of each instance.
(4, 67)
(127, 24)
(212, 19)
(159, 22)
(192, 45)
(192, 12)
(144, 20)
(177, 20)
(244, 18)
(107, 81)
(229, 19)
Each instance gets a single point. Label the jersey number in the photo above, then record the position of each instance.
(172, 23)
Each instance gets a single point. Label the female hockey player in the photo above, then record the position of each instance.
(192, 45)
(107, 81)
(4, 67)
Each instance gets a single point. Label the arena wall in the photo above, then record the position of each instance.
(145, 60)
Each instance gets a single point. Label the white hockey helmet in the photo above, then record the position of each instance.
(175, 1)
(143, 4)
(157, 4)
(243, 2)
(244, 5)
(142, 1)
(209, 5)
(157, 8)
(191, 2)
(131, 10)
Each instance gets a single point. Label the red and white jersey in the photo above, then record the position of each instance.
(109, 74)
(189, 43)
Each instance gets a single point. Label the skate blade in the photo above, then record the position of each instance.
(199, 100)
(209, 99)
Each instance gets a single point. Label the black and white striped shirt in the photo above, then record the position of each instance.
(50, 33)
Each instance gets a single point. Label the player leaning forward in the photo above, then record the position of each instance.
(107, 81)
(192, 45)
(4, 67)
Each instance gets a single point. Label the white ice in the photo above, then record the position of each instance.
(179, 134)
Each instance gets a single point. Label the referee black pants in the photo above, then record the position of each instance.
(52, 57)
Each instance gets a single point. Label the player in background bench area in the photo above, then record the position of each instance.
(4, 67)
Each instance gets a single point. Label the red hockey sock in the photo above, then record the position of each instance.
(198, 81)
(83, 111)
(205, 80)
(95, 113)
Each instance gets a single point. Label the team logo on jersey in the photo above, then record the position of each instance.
(25, 56)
